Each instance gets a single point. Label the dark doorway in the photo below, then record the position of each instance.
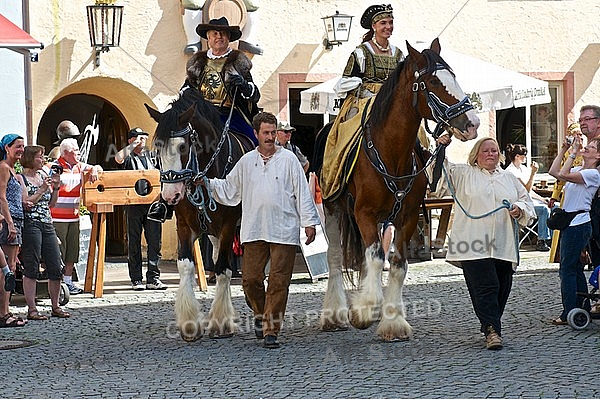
(510, 127)
(82, 110)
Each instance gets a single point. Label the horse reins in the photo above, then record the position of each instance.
(442, 114)
(191, 173)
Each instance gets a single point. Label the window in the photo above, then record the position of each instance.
(543, 145)
(536, 128)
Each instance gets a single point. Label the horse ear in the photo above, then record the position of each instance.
(186, 116)
(435, 45)
(410, 48)
(153, 113)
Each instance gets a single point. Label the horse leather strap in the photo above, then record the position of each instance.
(377, 163)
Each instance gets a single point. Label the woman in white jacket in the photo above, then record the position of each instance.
(486, 247)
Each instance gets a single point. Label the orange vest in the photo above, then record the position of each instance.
(69, 194)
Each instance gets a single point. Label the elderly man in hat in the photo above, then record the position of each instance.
(284, 134)
(223, 76)
(135, 157)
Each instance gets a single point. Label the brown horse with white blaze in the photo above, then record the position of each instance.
(388, 185)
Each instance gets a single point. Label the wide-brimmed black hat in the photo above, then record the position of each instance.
(377, 11)
(221, 24)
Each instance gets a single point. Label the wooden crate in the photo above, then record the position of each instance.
(117, 187)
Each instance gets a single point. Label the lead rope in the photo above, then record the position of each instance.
(505, 204)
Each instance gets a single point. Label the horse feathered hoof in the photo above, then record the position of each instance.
(220, 335)
(363, 317)
(190, 336)
(394, 329)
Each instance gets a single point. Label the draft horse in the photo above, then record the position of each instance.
(193, 143)
(388, 184)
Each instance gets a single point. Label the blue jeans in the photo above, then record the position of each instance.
(572, 280)
(543, 213)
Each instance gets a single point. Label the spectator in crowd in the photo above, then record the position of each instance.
(517, 154)
(39, 237)
(284, 134)
(589, 122)
(11, 209)
(582, 183)
(135, 157)
(276, 203)
(485, 247)
(65, 214)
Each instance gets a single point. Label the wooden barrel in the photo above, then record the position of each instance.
(233, 10)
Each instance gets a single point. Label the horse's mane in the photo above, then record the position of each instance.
(385, 96)
(207, 113)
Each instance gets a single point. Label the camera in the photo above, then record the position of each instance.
(570, 140)
(55, 169)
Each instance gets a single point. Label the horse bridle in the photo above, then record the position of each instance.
(191, 173)
(442, 115)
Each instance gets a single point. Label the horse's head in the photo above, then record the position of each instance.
(171, 143)
(437, 95)
(181, 149)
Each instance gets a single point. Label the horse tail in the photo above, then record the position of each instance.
(353, 251)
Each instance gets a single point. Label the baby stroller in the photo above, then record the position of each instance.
(579, 318)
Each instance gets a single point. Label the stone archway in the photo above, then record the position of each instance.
(115, 106)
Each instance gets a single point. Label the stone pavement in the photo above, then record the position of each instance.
(124, 346)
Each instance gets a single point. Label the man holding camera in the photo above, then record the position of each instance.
(135, 157)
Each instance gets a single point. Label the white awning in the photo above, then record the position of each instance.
(321, 99)
(490, 87)
(493, 87)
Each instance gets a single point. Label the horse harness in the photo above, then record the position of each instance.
(442, 114)
(191, 173)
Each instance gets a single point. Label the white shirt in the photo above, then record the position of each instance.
(276, 200)
(523, 173)
(579, 196)
(480, 192)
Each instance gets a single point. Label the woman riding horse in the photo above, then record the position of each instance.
(387, 183)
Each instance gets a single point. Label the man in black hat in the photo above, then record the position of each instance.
(135, 157)
(221, 71)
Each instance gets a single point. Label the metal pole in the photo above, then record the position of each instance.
(27, 79)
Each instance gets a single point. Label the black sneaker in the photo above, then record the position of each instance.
(156, 285)
(541, 246)
(137, 285)
(74, 290)
(157, 212)
(9, 282)
(271, 342)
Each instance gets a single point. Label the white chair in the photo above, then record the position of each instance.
(528, 233)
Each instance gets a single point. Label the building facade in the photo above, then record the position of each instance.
(557, 41)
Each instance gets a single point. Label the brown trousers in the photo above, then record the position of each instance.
(270, 305)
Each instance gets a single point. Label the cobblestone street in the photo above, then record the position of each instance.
(124, 346)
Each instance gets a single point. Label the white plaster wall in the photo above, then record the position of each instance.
(527, 36)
